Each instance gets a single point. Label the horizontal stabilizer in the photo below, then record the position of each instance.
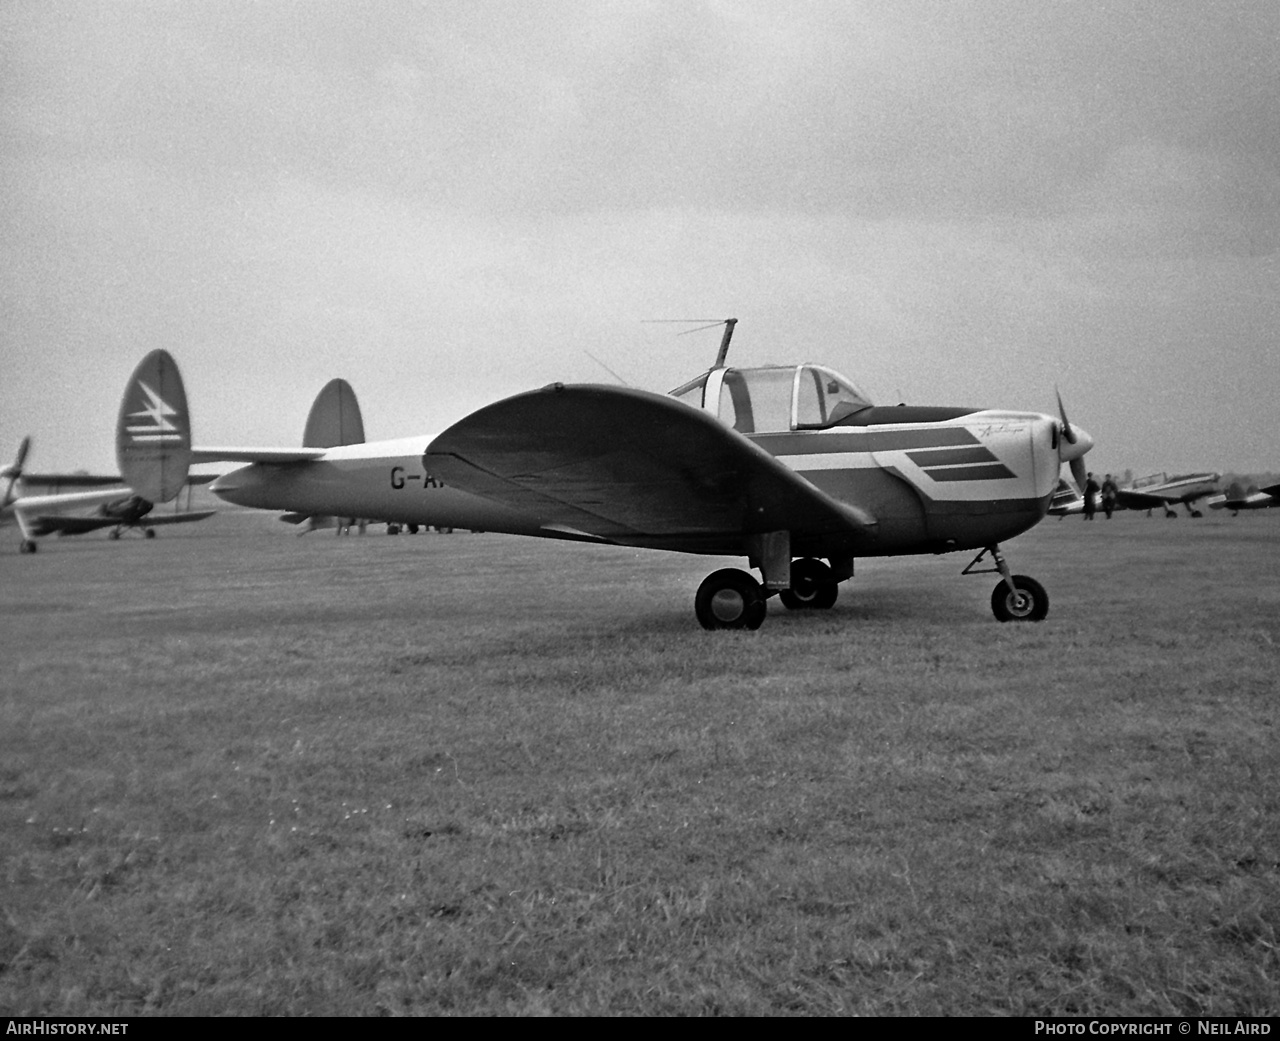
(255, 455)
(71, 481)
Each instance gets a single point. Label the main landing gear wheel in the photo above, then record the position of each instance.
(1029, 604)
(730, 599)
(149, 533)
(812, 586)
(27, 546)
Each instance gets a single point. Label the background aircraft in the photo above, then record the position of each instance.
(1236, 498)
(1160, 490)
(1067, 500)
(29, 512)
(790, 466)
(60, 512)
(128, 512)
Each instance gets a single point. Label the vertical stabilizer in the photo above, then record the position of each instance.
(335, 418)
(153, 434)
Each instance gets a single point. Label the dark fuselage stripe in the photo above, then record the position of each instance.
(951, 456)
(993, 472)
(869, 441)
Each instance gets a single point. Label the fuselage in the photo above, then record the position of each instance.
(934, 479)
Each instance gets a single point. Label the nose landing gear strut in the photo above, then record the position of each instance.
(1017, 598)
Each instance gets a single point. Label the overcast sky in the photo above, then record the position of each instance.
(951, 202)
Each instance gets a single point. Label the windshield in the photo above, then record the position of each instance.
(824, 397)
(757, 401)
(774, 398)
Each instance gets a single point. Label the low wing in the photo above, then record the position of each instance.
(50, 524)
(634, 468)
(1131, 500)
(55, 524)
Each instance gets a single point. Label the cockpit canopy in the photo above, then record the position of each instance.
(774, 398)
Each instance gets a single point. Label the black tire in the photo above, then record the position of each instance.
(393, 529)
(730, 599)
(113, 535)
(149, 533)
(1030, 605)
(812, 587)
(27, 546)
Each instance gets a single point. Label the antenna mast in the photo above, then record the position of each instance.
(729, 323)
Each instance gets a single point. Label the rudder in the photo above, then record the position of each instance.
(153, 433)
(335, 418)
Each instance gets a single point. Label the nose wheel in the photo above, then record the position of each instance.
(1025, 602)
(1017, 598)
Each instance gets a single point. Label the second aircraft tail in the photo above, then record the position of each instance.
(153, 433)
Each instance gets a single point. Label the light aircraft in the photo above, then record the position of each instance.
(56, 512)
(1237, 499)
(789, 466)
(1161, 490)
(125, 513)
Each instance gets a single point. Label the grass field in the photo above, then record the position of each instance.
(246, 773)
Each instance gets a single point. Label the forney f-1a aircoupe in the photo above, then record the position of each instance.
(792, 467)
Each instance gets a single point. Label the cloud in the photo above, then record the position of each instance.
(445, 203)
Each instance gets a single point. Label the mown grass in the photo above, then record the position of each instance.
(242, 773)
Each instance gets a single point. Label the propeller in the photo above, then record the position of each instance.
(1074, 445)
(15, 471)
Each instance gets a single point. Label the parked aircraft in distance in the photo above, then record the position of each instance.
(1165, 492)
(1066, 501)
(789, 466)
(57, 512)
(126, 513)
(27, 511)
(1236, 499)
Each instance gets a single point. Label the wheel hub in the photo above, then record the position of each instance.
(727, 605)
